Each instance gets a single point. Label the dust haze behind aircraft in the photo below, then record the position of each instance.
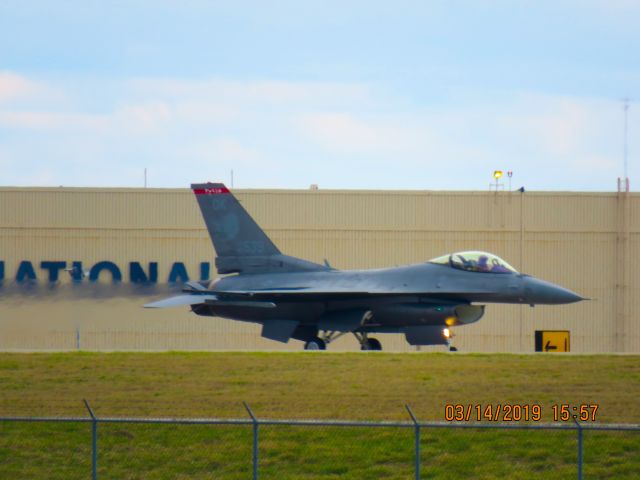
(299, 299)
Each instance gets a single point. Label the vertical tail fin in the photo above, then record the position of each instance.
(240, 243)
(233, 232)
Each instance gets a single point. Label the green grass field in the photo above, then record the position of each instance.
(362, 386)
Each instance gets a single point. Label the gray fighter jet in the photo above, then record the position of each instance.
(295, 298)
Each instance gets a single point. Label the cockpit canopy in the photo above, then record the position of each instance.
(475, 262)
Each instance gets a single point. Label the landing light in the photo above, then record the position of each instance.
(446, 333)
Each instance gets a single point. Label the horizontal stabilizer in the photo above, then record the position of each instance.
(195, 287)
(181, 300)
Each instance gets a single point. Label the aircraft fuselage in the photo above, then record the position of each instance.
(422, 294)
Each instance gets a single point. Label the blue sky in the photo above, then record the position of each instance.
(367, 95)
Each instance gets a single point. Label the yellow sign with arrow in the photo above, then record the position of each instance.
(552, 341)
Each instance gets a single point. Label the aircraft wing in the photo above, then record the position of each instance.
(199, 299)
(181, 300)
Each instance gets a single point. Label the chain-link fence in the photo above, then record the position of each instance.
(154, 448)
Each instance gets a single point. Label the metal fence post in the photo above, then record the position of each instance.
(417, 441)
(94, 442)
(580, 448)
(255, 440)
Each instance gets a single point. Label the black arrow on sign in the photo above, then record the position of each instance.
(548, 346)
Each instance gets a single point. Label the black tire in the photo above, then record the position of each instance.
(315, 343)
(372, 344)
(453, 349)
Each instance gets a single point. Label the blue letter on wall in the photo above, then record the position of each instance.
(76, 272)
(25, 272)
(138, 275)
(204, 270)
(116, 276)
(178, 273)
(54, 269)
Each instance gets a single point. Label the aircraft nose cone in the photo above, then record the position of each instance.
(546, 293)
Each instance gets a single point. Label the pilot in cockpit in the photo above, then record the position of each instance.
(483, 265)
(498, 267)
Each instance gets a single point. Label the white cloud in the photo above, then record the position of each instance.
(252, 93)
(199, 111)
(225, 151)
(377, 135)
(51, 120)
(145, 118)
(13, 86)
(340, 131)
(19, 88)
(550, 141)
(291, 134)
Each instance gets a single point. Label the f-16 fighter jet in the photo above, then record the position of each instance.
(295, 298)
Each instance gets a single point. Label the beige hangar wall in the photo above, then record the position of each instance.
(588, 242)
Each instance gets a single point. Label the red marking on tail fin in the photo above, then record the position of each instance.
(211, 190)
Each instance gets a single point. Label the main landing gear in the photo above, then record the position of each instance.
(316, 343)
(366, 343)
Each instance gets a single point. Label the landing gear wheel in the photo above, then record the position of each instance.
(315, 344)
(372, 344)
(453, 349)
(367, 343)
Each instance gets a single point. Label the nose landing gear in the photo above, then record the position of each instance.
(448, 335)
